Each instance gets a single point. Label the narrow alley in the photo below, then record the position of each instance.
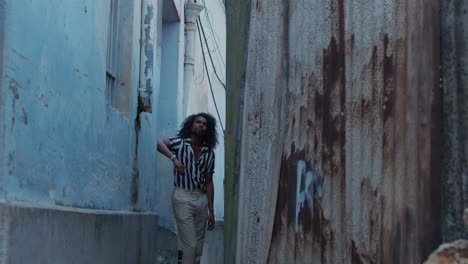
(342, 129)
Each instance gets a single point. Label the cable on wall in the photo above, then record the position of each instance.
(210, 26)
(209, 53)
(208, 75)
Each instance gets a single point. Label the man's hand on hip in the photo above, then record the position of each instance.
(179, 166)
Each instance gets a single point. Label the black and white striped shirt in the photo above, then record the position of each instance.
(195, 170)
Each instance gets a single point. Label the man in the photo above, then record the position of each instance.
(192, 200)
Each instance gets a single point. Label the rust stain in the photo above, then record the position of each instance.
(333, 76)
(258, 6)
(359, 258)
(355, 257)
(388, 74)
(388, 100)
(389, 236)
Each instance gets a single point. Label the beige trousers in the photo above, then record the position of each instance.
(190, 213)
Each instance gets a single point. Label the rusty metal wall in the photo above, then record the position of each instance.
(340, 147)
(454, 77)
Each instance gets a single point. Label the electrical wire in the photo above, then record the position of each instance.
(209, 53)
(210, 26)
(209, 79)
(207, 18)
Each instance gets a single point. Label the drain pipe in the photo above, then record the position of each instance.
(192, 11)
(147, 53)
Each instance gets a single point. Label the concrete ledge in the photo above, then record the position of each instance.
(33, 234)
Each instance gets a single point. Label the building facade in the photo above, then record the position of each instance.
(86, 89)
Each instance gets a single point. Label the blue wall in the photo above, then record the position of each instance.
(167, 111)
(63, 143)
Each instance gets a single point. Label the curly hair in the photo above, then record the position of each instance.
(211, 136)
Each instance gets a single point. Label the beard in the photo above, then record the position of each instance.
(198, 133)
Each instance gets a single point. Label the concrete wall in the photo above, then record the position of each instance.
(81, 236)
(337, 144)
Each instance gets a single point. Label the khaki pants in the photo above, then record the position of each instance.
(190, 213)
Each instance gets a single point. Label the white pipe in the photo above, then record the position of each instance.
(192, 11)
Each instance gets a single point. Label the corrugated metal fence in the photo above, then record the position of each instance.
(334, 150)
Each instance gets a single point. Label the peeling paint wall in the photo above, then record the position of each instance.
(340, 153)
(64, 144)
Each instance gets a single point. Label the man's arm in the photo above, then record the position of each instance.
(210, 195)
(163, 148)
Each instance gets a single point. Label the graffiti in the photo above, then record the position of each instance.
(311, 184)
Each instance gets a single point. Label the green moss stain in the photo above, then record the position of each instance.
(238, 23)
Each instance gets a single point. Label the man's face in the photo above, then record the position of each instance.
(199, 126)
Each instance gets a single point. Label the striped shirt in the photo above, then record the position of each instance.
(195, 170)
